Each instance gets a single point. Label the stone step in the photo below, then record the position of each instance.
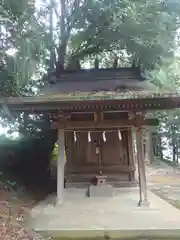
(116, 184)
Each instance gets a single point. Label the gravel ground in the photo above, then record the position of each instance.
(14, 205)
(164, 181)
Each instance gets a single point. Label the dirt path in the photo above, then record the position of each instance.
(14, 205)
(164, 181)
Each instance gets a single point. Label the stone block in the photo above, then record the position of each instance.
(101, 191)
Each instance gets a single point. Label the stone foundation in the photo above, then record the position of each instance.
(105, 190)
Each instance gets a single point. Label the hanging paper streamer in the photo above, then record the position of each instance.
(104, 136)
(75, 137)
(89, 136)
(119, 135)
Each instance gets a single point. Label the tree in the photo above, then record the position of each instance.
(79, 30)
(20, 45)
(88, 28)
(166, 77)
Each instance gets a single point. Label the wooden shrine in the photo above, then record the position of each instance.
(94, 112)
(96, 139)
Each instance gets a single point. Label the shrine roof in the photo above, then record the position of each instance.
(95, 80)
(122, 88)
(91, 97)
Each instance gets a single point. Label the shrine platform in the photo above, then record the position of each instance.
(115, 217)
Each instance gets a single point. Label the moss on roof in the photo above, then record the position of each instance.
(86, 96)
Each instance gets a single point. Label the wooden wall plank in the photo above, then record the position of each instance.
(103, 124)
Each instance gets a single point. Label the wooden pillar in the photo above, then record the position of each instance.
(149, 156)
(60, 167)
(131, 154)
(141, 169)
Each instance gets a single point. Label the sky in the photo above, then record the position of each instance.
(38, 3)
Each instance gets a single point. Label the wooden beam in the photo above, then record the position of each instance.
(100, 125)
(98, 116)
(130, 153)
(46, 104)
(114, 169)
(67, 124)
(102, 115)
(95, 117)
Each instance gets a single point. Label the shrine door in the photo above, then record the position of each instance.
(90, 153)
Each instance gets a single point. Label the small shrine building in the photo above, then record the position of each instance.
(94, 112)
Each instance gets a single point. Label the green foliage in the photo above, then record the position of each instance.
(9, 185)
(20, 48)
(142, 28)
(145, 30)
(8, 84)
(166, 74)
(128, 29)
(55, 152)
(167, 77)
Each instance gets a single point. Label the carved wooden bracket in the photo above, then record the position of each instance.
(98, 116)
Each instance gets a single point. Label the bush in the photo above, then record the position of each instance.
(55, 152)
(54, 156)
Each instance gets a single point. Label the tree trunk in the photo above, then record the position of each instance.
(160, 146)
(173, 143)
(177, 156)
(52, 50)
(157, 145)
(174, 153)
(64, 35)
